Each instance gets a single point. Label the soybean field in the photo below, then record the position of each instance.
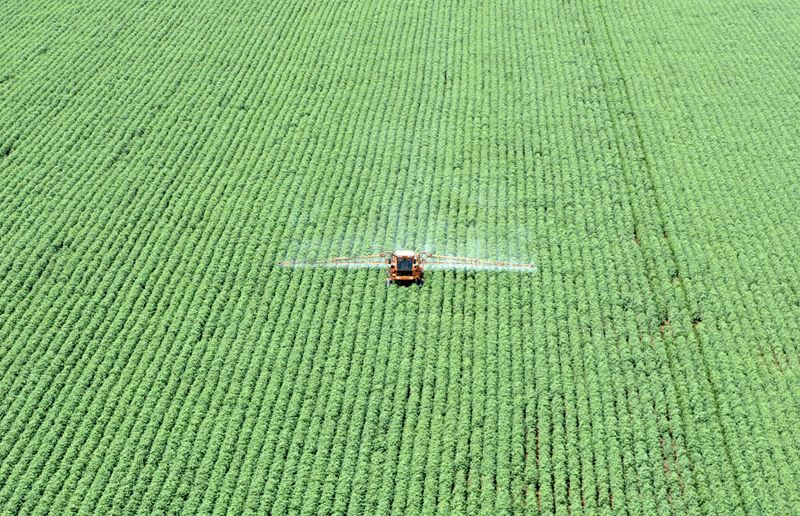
(159, 159)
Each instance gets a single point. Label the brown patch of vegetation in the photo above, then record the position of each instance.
(776, 360)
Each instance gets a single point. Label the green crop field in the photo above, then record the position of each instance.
(159, 159)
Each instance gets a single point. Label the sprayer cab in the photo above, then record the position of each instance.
(404, 267)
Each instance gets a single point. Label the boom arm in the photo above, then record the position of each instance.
(366, 261)
(426, 259)
(440, 261)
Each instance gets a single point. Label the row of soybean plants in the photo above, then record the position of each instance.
(352, 390)
(103, 376)
(607, 404)
(240, 360)
(315, 405)
(727, 227)
(57, 337)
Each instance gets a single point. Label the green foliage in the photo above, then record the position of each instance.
(158, 159)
